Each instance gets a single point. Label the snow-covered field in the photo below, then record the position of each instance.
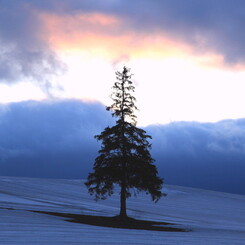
(213, 217)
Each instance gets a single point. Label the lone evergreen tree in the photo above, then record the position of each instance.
(124, 158)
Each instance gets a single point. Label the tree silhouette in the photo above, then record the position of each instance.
(124, 158)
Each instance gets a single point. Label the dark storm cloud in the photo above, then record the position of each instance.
(24, 53)
(56, 139)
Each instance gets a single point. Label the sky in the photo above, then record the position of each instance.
(58, 60)
(187, 57)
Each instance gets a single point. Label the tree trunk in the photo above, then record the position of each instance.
(123, 209)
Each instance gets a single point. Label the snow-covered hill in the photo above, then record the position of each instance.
(213, 217)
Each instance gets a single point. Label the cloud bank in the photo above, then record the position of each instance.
(52, 139)
(211, 155)
(56, 139)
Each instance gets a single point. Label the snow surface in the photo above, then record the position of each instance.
(213, 217)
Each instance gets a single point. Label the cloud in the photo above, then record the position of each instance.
(226, 137)
(205, 155)
(39, 137)
(56, 139)
(24, 52)
(207, 25)
(60, 124)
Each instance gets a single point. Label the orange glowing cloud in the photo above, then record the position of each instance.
(107, 36)
(110, 37)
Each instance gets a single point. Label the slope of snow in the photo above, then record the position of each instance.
(213, 217)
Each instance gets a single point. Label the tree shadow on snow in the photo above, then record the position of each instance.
(117, 222)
